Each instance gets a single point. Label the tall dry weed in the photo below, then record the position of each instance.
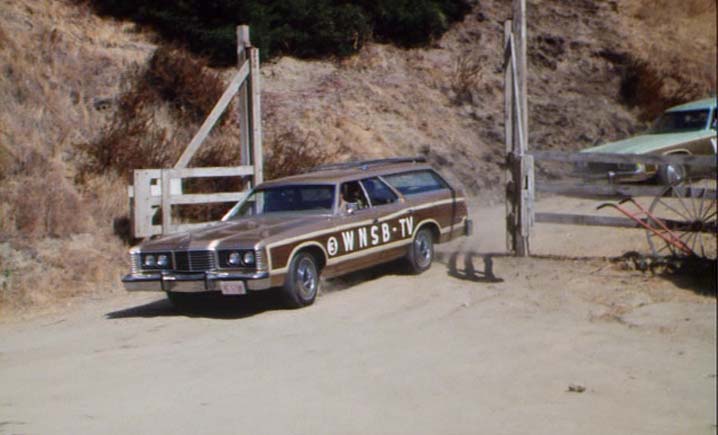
(49, 206)
(465, 77)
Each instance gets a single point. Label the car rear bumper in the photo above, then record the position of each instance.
(195, 282)
(468, 227)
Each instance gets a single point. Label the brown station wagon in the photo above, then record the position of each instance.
(287, 232)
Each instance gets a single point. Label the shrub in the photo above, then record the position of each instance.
(302, 28)
(182, 81)
(644, 86)
(136, 136)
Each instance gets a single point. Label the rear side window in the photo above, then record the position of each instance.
(411, 183)
(379, 193)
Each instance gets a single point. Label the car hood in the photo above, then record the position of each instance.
(240, 233)
(649, 143)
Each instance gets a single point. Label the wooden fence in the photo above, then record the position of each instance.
(155, 190)
(521, 183)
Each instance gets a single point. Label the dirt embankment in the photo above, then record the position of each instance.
(65, 71)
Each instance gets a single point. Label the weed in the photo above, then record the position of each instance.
(465, 78)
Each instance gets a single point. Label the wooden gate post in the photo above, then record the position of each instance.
(243, 44)
(519, 190)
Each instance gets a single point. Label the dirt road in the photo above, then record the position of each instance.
(485, 345)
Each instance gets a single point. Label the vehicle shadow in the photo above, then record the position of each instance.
(395, 267)
(469, 272)
(212, 307)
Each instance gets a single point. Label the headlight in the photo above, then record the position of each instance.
(163, 260)
(248, 258)
(233, 259)
(150, 261)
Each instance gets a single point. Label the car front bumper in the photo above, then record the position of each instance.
(195, 282)
(615, 173)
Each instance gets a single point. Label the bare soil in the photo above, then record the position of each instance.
(480, 343)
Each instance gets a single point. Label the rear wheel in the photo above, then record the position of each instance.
(421, 251)
(302, 283)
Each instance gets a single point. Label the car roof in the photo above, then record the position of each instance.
(343, 172)
(706, 103)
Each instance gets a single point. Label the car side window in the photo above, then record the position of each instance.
(352, 193)
(415, 182)
(379, 193)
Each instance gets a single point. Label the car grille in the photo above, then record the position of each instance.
(135, 263)
(194, 261)
(598, 168)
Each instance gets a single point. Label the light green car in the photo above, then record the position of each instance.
(688, 129)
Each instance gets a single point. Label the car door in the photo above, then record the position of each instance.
(388, 233)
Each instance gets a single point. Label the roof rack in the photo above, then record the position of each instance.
(365, 164)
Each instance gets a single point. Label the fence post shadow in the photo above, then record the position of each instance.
(469, 271)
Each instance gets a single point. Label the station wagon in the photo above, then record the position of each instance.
(289, 232)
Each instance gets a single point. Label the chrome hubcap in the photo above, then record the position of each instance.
(422, 249)
(306, 278)
(673, 174)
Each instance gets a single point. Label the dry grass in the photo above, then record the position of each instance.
(674, 46)
(56, 62)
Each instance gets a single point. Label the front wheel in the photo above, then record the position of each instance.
(302, 283)
(671, 174)
(421, 251)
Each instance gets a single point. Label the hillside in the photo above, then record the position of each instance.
(598, 71)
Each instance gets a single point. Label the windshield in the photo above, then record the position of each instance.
(305, 199)
(681, 121)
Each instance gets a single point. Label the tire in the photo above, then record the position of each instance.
(669, 175)
(421, 251)
(302, 283)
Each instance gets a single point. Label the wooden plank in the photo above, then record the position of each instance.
(213, 117)
(243, 43)
(528, 200)
(166, 204)
(615, 190)
(207, 198)
(209, 172)
(521, 67)
(508, 133)
(143, 203)
(576, 157)
(620, 222)
(256, 116)
(582, 219)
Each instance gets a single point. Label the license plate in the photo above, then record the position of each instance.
(233, 288)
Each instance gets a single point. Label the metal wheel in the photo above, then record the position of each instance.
(302, 283)
(306, 278)
(690, 213)
(421, 252)
(671, 174)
